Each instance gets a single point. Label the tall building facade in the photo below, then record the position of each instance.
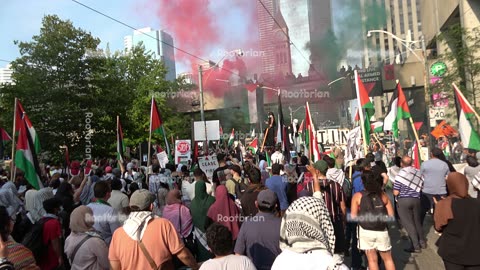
(273, 37)
(307, 20)
(6, 75)
(157, 42)
(403, 19)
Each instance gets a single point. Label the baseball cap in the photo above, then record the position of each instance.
(108, 169)
(266, 198)
(321, 165)
(141, 199)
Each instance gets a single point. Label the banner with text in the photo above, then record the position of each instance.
(208, 164)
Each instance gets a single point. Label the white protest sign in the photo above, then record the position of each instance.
(208, 164)
(332, 136)
(162, 159)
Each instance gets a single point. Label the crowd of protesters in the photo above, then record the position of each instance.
(252, 213)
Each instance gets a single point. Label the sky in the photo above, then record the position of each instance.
(21, 19)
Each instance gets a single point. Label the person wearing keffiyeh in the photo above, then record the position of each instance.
(307, 237)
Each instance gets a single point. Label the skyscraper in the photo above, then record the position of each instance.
(274, 43)
(6, 75)
(157, 42)
(403, 19)
(307, 20)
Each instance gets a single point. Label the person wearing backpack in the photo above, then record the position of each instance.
(236, 186)
(51, 236)
(372, 210)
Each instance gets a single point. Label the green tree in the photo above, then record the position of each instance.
(462, 58)
(73, 91)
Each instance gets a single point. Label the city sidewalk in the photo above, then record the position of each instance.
(427, 259)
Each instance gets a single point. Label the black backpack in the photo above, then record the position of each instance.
(373, 213)
(34, 240)
(240, 188)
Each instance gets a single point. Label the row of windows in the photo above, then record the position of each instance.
(281, 58)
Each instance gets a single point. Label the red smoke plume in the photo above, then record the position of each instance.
(198, 27)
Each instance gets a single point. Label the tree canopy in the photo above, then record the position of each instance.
(73, 91)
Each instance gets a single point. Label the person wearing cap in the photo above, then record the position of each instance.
(334, 199)
(278, 184)
(146, 241)
(259, 236)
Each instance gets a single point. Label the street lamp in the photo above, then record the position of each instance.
(237, 52)
(294, 111)
(407, 44)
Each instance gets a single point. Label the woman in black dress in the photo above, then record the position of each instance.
(270, 131)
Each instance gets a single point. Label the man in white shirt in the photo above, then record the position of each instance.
(105, 217)
(220, 242)
(278, 157)
(118, 200)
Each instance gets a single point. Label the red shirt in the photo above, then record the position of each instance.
(52, 230)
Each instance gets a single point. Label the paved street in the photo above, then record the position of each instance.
(428, 259)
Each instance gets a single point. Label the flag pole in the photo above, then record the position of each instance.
(149, 138)
(12, 163)
(360, 113)
(166, 140)
(461, 94)
(416, 137)
(120, 160)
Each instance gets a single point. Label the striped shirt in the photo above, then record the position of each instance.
(408, 182)
(332, 195)
(20, 256)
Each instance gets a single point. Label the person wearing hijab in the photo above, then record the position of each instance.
(199, 209)
(458, 218)
(178, 214)
(84, 247)
(225, 211)
(307, 237)
(34, 202)
(263, 170)
(65, 195)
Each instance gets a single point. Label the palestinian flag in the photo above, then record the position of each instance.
(120, 144)
(156, 124)
(253, 145)
(232, 136)
(468, 135)
(282, 136)
(397, 110)
(365, 104)
(5, 138)
(376, 126)
(25, 156)
(269, 161)
(22, 116)
(312, 150)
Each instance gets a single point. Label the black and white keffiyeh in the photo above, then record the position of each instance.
(306, 226)
(410, 177)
